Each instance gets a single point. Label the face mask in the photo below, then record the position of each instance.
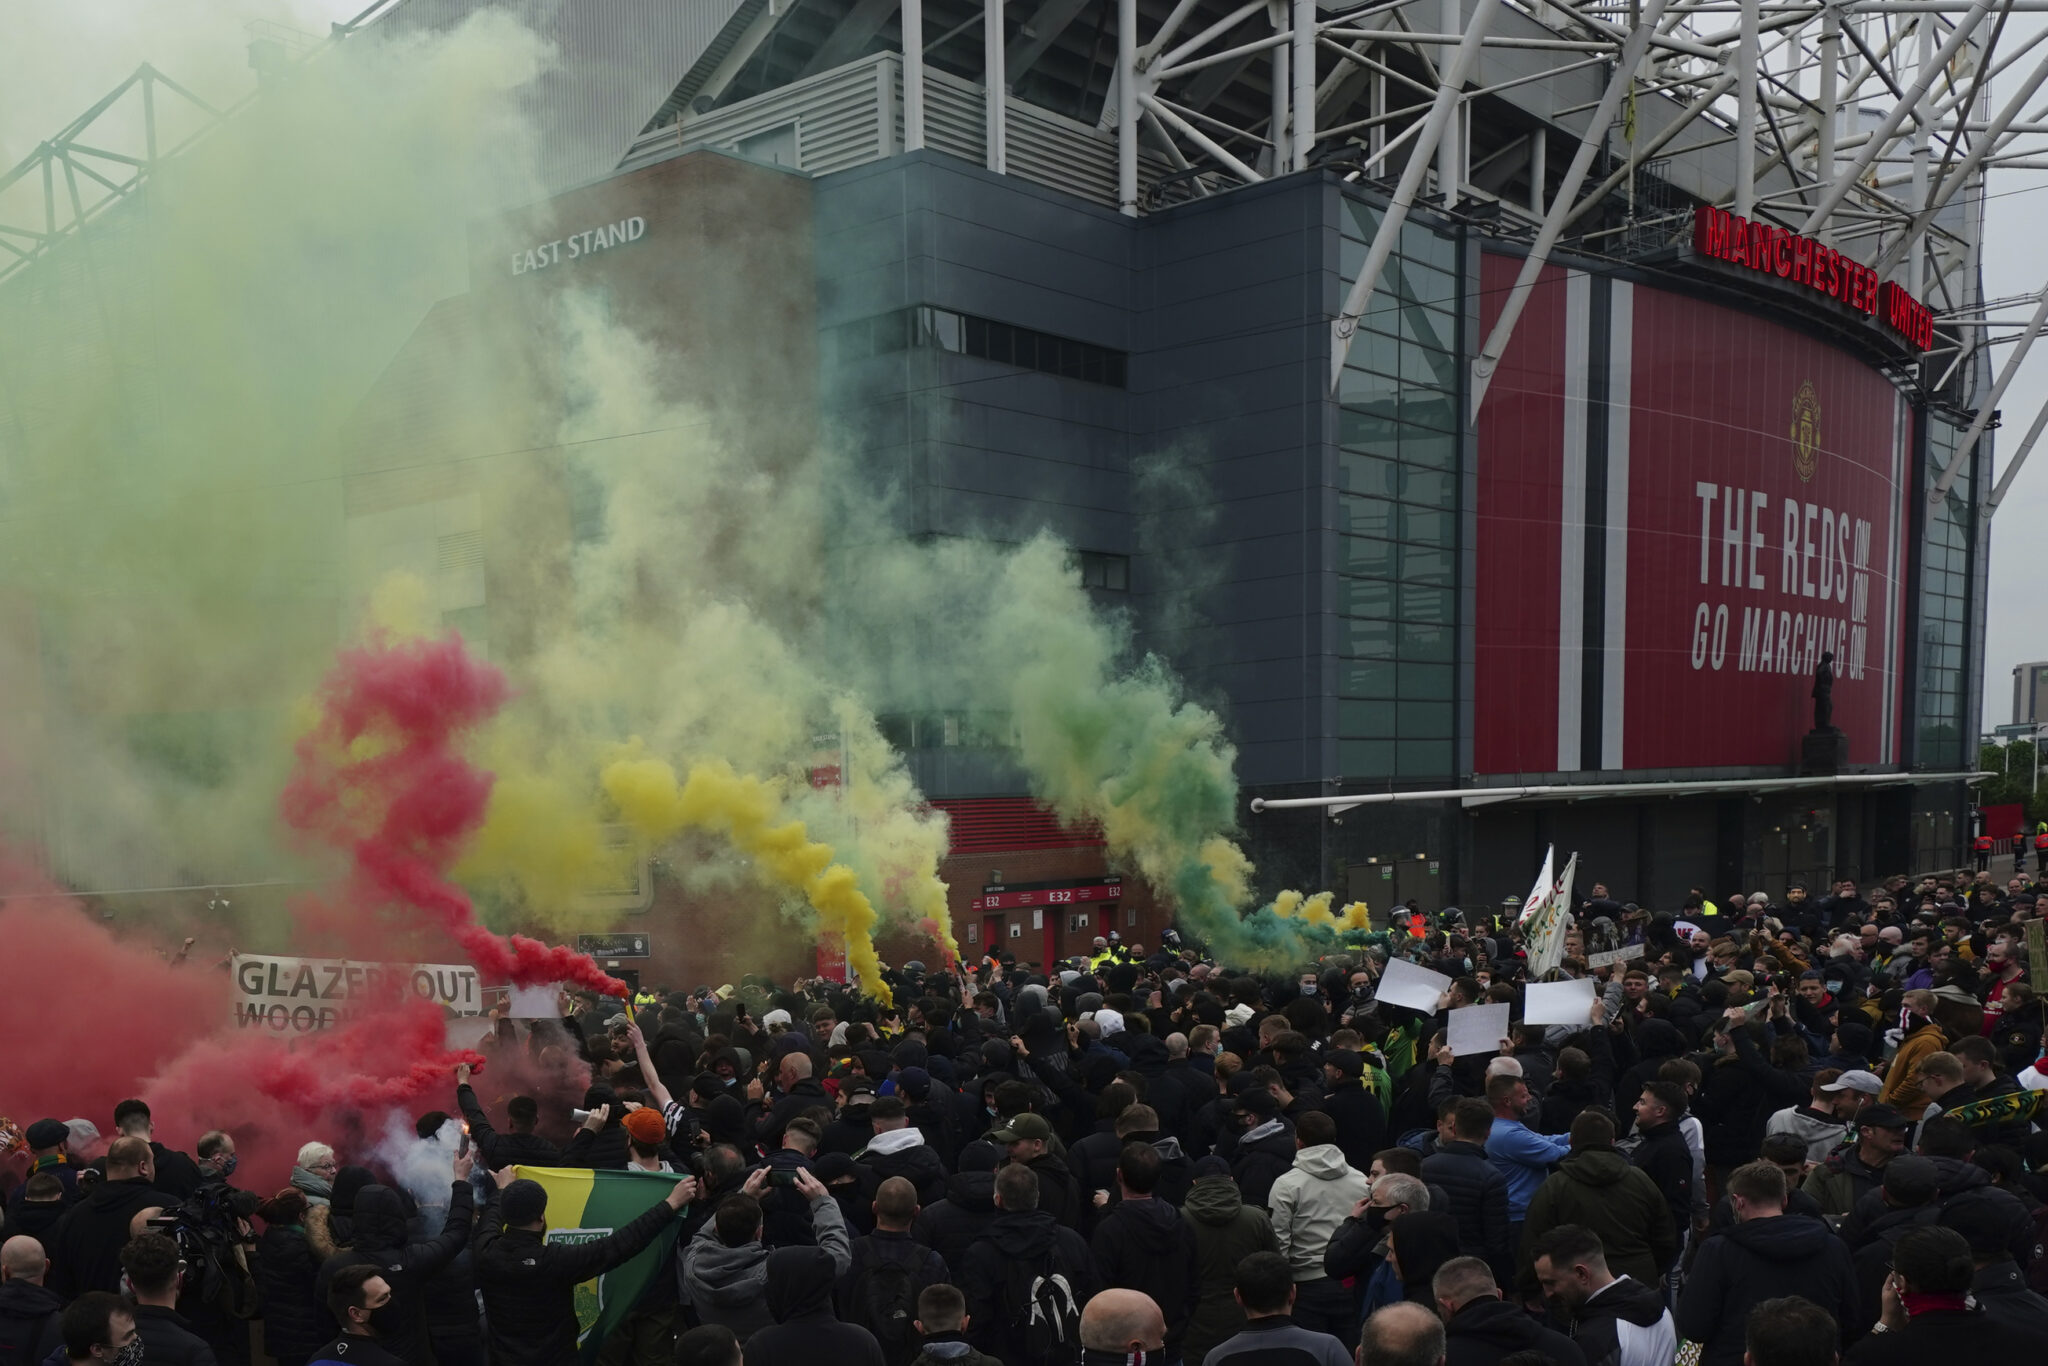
(227, 1167)
(384, 1321)
(1308, 988)
(1375, 1221)
(131, 1355)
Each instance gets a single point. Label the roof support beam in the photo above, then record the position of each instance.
(1345, 325)
(1838, 189)
(1043, 29)
(1488, 359)
(2006, 373)
(851, 37)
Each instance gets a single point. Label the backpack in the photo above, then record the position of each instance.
(883, 1298)
(1045, 1316)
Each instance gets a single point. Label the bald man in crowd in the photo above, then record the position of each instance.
(31, 1316)
(1403, 1334)
(1119, 1324)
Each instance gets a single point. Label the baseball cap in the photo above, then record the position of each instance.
(1258, 1101)
(1345, 1061)
(1025, 1125)
(1856, 1079)
(1882, 1117)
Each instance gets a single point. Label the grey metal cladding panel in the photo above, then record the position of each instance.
(613, 63)
(1230, 312)
(968, 191)
(1252, 682)
(865, 292)
(1050, 265)
(1275, 597)
(1039, 478)
(1254, 437)
(957, 512)
(1276, 640)
(855, 247)
(990, 289)
(1276, 260)
(1282, 513)
(1288, 761)
(1276, 722)
(1262, 368)
(1022, 431)
(1280, 469)
(1035, 397)
(848, 199)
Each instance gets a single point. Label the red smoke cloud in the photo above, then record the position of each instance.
(88, 1018)
(380, 779)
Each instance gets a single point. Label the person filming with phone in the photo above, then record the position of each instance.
(725, 1268)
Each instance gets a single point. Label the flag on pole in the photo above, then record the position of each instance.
(1540, 894)
(585, 1206)
(1546, 931)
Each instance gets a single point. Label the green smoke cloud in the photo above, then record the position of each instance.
(263, 391)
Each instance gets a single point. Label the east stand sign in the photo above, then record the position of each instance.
(285, 995)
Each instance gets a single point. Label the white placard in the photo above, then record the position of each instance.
(1558, 1003)
(1406, 984)
(535, 1003)
(467, 1031)
(281, 994)
(1477, 1029)
(1614, 958)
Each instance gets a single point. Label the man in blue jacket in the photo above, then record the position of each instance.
(1522, 1156)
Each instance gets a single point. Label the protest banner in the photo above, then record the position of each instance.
(281, 994)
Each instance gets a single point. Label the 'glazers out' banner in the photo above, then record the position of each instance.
(285, 995)
(1682, 509)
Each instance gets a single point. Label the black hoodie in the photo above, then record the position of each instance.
(85, 1245)
(1486, 1332)
(29, 1323)
(1030, 1239)
(1758, 1260)
(806, 1331)
(382, 1227)
(950, 1227)
(1624, 1315)
(1146, 1245)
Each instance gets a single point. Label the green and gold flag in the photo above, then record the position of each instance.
(586, 1205)
(2013, 1107)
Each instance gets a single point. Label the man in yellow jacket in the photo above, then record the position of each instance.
(1923, 1036)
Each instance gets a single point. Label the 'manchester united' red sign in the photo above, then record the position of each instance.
(1768, 250)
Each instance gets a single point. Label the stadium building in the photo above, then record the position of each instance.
(1496, 408)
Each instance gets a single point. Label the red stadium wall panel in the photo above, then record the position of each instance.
(1681, 507)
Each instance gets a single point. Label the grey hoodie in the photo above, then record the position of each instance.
(1823, 1133)
(1310, 1202)
(729, 1285)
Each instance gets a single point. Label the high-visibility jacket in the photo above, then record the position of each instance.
(1983, 844)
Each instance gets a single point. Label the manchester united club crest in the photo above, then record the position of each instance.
(1805, 431)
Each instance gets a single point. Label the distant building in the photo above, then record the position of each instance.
(2030, 693)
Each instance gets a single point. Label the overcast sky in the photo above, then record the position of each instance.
(61, 55)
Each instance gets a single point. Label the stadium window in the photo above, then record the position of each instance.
(941, 329)
(1111, 573)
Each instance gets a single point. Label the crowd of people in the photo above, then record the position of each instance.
(1785, 1131)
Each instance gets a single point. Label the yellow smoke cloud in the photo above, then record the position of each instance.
(1356, 916)
(749, 812)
